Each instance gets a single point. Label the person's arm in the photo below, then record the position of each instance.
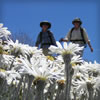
(87, 40)
(38, 41)
(67, 37)
(89, 44)
(63, 40)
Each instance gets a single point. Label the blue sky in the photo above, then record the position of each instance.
(26, 16)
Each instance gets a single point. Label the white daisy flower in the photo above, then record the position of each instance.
(70, 48)
(76, 59)
(22, 48)
(40, 69)
(6, 61)
(4, 31)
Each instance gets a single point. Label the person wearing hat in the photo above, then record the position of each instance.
(45, 38)
(77, 35)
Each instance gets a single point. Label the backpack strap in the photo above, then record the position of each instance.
(82, 35)
(71, 33)
(49, 33)
(82, 30)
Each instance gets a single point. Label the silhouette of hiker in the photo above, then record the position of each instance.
(45, 37)
(77, 35)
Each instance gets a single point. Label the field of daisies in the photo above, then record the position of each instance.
(27, 74)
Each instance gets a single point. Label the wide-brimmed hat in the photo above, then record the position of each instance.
(77, 20)
(45, 23)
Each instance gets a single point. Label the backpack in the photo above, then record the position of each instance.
(81, 30)
(49, 33)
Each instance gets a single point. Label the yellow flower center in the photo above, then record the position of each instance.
(40, 78)
(73, 64)
(61, 81)
(50, 58)
(1, 50)
(2, 70)
(6, 53)
(66, 52)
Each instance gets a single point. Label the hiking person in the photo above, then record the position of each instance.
(77, 35)
(45, 38)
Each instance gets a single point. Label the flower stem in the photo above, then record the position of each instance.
(68, 68)
(40, 90)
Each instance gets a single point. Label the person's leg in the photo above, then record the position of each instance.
(81, 51)
(45, 51)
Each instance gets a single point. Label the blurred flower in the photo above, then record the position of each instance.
(22, 49)
(4, 31)
(97, 83)
(9, 76)
(7, 60)
(76, 60)
(92, 68)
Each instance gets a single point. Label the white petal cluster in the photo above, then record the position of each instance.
(70, 48)
(86, 77)
(39, 69)
(23, 49)
(4, 32)
(9, 76)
